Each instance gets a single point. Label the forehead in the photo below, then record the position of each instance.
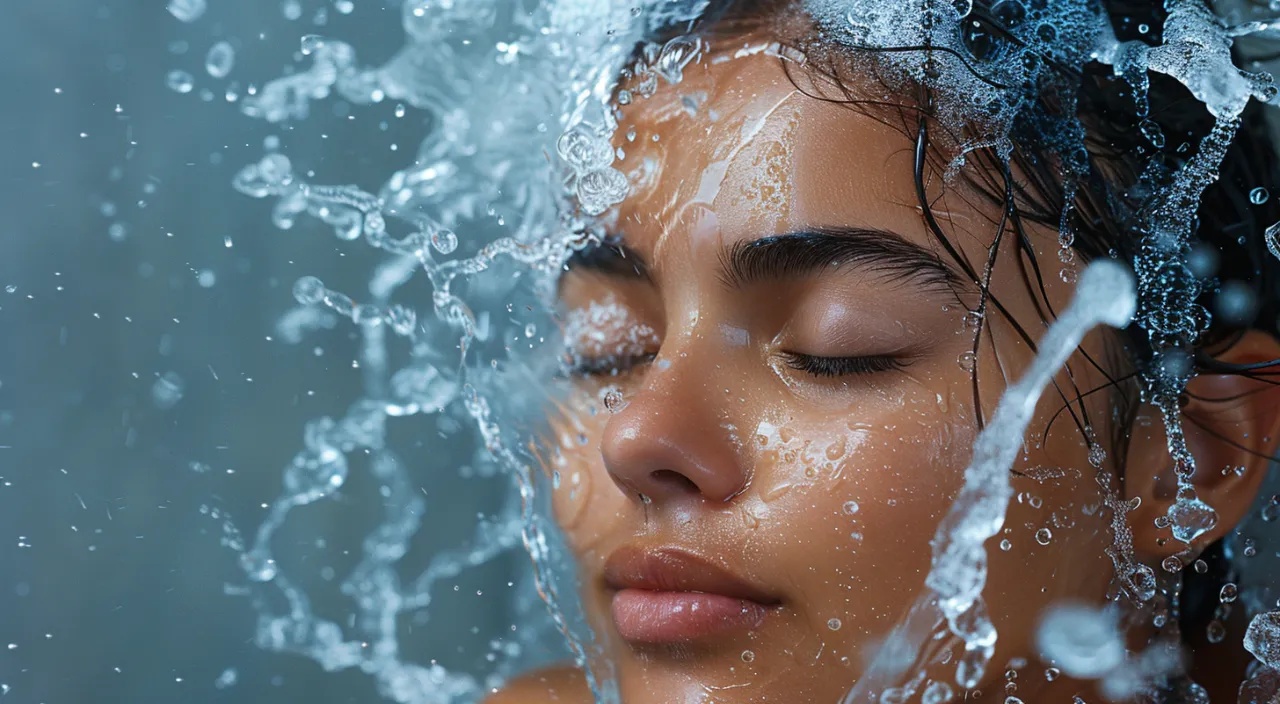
(744, 150)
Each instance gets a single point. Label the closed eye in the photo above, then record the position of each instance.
(842, 366)
(612, 365)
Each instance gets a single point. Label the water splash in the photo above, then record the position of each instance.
(953, 588)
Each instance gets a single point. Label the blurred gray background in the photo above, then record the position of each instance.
(126, 255)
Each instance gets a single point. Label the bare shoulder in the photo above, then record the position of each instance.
(559, 685)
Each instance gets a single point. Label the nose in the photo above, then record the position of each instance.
(672, 441)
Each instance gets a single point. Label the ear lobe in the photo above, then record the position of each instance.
(1231, 424)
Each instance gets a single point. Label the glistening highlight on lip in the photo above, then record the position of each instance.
(667, 596)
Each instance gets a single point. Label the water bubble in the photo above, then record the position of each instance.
(599, 190)
(1080, 640)
(167, 391)
(291, 9)
(1215, 632)
(585, 149)
(1201, 566)
(1043, 536)
(963, 7)
(187, 10)
(1012, 700)
(1259, 195)
(1172, 564)
(180, 81)
(530, 330)
(1236, 303)
(308, 290)
(344, 7)
(967, 361)
(834, 624)
(1228, 593)
(675, 56)
(748, 656)
(220, 59)
(1051, 674)
(117, 231)
(850, 508)
(444, 241)
(1250, 547)
(1005, 545)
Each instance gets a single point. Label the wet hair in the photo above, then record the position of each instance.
(1107, 199)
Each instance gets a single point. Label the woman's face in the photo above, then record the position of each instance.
(776, 405)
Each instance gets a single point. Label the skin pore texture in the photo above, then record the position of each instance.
(793, 405)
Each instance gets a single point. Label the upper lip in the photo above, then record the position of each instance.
(676, 570)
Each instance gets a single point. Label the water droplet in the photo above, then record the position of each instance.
(258, 567)
(1191, 517)
(444, 241)
(748, 656)
(1259, 195)
(1271, 511)
(938, 692)
(850, 508)
(834, 624)
(1263, 638)
(1043, 536)
(310, 43)
(967, 361)
(308, 290)
(675, 56)
(583, 148)
(186, 10)
(220, 59)
(1082, 641)
(1052, 673)
(228, 678)
(180, 81)
(613, 400)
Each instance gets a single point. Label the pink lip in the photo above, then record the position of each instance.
(671, 596)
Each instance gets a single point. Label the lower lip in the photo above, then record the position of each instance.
(644, 616)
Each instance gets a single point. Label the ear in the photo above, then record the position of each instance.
(1232, 424)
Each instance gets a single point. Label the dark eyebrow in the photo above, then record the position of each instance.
(610, 258)
(799, 254)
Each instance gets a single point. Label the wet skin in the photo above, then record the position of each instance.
(752, 511)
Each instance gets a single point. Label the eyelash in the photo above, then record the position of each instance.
(841, 366)
(605, 366)
(809, 364)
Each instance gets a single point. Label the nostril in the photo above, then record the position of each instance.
(673, 481)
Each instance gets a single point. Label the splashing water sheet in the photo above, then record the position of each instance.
(447, 296)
